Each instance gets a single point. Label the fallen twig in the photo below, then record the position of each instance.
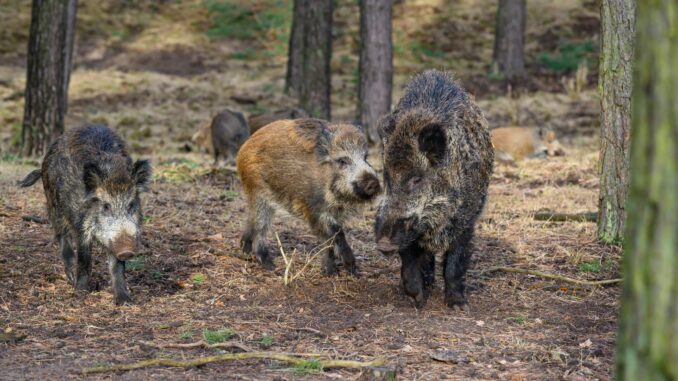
(199, 344)
(293, 359)
(565, 217)
(551, 276)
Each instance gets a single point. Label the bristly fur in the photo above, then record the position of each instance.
(438, 159)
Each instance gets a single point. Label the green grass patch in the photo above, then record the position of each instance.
(595, 266)
(136, 263)
(266, 341)
(186, 335)
(230, 19)
(157, 274)
(311, 366)
(198, 279)
(569, 55)
(148, 218)
(214, 337)
(518, 319)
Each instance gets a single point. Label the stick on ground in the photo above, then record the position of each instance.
(288, 358)
(551, 276)
(566, 217)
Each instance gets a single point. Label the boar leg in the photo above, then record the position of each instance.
(255, 233)
(120, 291)
(84, 269)
(417, 273)
(342, 248)
(68, 255)
(457, 258)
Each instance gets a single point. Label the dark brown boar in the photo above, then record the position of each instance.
(316, 171)
(260, 120)
(92, 188)
(229, 130)
(438, 160)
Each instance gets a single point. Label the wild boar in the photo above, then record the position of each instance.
(517, 143)
(92, 189)
(438, 160)
(260, 120)
(202, 137)
(316, 171)
(229, 130)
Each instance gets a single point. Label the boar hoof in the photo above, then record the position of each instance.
(456, 300)
(267, 264)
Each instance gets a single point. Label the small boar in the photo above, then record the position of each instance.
(316, 171)
(438, 160)
(260, 120)
(229, 131)
(202, 137)
(517, 143)
(92, 189)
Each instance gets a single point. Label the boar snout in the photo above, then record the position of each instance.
(124, 247)
(367, 186)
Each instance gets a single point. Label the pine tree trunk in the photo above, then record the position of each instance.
(376, 64)
(295, 48)
(508, 39)
(616, 56)
(648, 338)
(50, 49)
(310, 52)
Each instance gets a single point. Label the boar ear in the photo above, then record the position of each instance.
(433, 143)
(141, 173)
(91, 176)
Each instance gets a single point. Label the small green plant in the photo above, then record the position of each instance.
(214, 337)
(9, 157)
(198, 279)
(157, 274)
(307, 367)
(518, 319)
(20, 249)
(244, 54)
(266, 341)
(147, 218)
(569, 55)
(229, 195)
(186, 335)
(136, 263)
(595, 266)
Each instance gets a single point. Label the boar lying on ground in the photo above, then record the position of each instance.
(316, 171)
(202, 137)
(517, 143)
(260, 120)
(229, 130)
(92, 188)
(438, 160)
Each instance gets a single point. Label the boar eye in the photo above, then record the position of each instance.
(343, 161)
(106, 207)
(131, 207)
(413, 183)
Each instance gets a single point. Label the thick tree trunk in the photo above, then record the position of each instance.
(648, 338)
(508, 39)
(50, 50)
(616, 56)
(310, 52)
(295, 48)
(376, 64)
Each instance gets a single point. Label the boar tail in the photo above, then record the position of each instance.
(31, 179)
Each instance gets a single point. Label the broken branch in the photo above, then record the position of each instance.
(551, 276)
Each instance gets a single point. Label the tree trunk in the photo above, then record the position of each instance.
(508, 39)
(295, 48)
(50, 51)
(310, 52)
(616, 56)
(648, 338)
(375, 75)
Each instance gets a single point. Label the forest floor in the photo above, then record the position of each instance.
(154, 76)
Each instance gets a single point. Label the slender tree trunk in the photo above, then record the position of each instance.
(310, 52)
(295, 48)
(375, 76)
(50, 50)
(648, 338)
(508, 39)
(616, 55)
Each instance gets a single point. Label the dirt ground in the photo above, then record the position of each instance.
(191, 277)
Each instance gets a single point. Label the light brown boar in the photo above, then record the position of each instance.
(316, 171)
(517, 143)
(202, 137)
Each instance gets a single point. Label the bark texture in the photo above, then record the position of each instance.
(376, 64)
(648, 338)
(50, 52)
(309, 55)
(509, 39)
(615, 83)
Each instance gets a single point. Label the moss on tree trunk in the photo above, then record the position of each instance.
(648, 338)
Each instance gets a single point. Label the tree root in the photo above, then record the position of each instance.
(551, 276)
(291, 358)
